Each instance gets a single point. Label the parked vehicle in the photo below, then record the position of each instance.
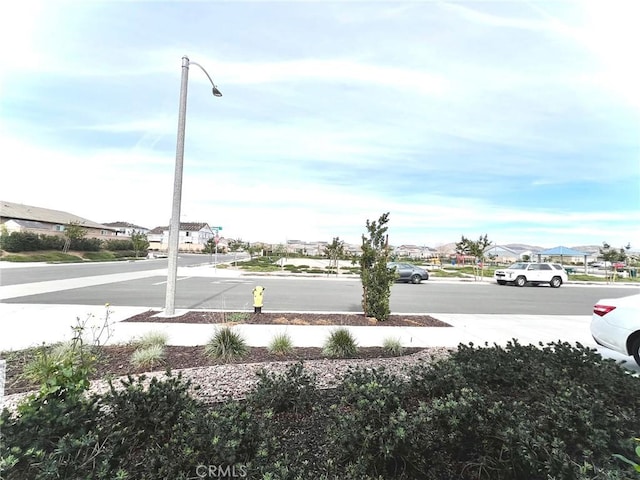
(523, 273)
(615, 324)
(408, 272)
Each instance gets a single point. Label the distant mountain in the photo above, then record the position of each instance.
(522, 247)
(588, 248)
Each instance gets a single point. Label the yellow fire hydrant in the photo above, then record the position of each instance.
(258, 294)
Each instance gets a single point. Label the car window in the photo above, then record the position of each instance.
(518, 266)
(534, 266)
(544, 266)
(557, 266)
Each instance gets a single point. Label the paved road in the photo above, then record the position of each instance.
(16, 273)
(209, 288)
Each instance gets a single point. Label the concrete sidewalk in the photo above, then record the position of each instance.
(33, 325)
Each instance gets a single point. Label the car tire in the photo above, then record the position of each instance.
(635, 350)
(555, 282)
(415, 279)
(521, 281)
(501, 282)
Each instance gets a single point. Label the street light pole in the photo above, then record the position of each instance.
(174, 227)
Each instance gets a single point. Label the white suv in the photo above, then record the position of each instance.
(534, 273)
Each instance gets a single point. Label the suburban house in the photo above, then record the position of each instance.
(414, 251)
(502, 254)
(125, 229)
(306, 248)
(16, 217)
(193, 237)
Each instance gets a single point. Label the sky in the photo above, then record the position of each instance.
(515, 119)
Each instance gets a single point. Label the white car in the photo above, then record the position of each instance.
(615, 325)
(522, 273)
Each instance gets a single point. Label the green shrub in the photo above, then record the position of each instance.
(291, 391)
(63, 369)
(368, 427)
(634, 465)
(226, 345)
(340, 344)
(116, 245)
(168, 433)
(46, 360)
(46, 438)
(51, 242)
(148, 356)
(393, 346)
(20, 242)
(85, 244)
(281, 344)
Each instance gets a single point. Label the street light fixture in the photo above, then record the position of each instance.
(174, 227)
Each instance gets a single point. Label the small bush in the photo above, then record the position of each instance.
(393, 346)
(62, 369)
(226, 345)
(86, 244)
(237, 317)
(151, 338)
(291, 391)
(149, 356)
(46, 360)
(340, 344)
(116, 245)
(281, 344)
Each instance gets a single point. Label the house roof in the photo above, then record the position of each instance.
(29, 223)
(570, 252)
(502, 248)
(124, 225)
(18, 211)
(184, 227)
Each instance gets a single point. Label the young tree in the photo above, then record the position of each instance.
(475, 249)
(140, 242)
(254, 249)
(236, 244)
(612, 255)
(210, 246)
(335, 251)
(376, 277)
(73, 231)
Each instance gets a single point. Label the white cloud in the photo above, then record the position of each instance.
(514, 120)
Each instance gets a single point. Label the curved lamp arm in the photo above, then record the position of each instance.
(216, 92)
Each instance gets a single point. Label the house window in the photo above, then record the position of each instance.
(59, 228)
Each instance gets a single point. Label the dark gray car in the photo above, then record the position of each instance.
(408, 272)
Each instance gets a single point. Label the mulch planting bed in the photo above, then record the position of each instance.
(282, 318)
